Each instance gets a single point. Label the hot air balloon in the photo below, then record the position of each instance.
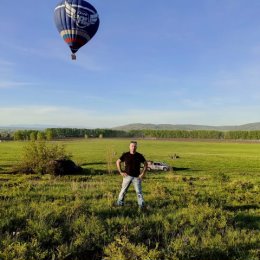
(77, 22)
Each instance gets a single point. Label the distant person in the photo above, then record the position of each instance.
(132, 173)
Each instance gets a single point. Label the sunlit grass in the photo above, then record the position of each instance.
(206, 208)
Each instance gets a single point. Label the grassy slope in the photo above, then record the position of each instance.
(208, 208)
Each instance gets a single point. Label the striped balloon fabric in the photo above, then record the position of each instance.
(77, 22)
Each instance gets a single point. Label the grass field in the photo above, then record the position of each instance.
(207, 208)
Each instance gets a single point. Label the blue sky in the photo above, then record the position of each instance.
(169, 61)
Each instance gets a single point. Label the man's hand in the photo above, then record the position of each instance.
(118, 165)
(124, 174)
(141, 176)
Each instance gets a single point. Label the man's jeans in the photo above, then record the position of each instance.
(138, 189)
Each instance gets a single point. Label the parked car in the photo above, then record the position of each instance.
(157, 166)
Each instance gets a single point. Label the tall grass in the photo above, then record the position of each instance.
(207, 208)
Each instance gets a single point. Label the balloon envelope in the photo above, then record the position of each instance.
(77, 22)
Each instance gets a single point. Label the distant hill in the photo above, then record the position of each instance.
(139, 126)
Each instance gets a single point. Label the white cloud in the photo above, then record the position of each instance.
(243, 78)
(256, 50)
(13, 84)
(6, 68)
(8, 74)
(57, 49)
(6, 63)
(233, 115)
(71, 117)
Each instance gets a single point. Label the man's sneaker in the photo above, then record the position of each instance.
(141, 209)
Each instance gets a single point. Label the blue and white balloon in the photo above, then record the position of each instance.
(77, 22)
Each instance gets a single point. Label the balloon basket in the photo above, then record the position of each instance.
(73, 56)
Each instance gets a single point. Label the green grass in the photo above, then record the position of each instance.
(207, 208)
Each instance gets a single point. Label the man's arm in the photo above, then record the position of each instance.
(141, 176)
(118, 165)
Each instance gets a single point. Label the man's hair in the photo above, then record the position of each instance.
(133, 142)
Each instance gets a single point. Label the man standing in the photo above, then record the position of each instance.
(132, 173)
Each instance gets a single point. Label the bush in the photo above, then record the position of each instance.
(37, 157)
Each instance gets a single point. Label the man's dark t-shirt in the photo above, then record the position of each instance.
(132, 163)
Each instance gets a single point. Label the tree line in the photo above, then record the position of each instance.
(198, 134)
(64, 133)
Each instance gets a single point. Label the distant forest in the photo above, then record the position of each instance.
(65, 133)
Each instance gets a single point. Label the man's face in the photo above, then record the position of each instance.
(133, 147)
